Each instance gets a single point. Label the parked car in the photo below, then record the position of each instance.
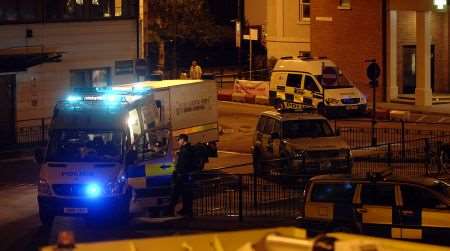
(405, 208)
(298, 143)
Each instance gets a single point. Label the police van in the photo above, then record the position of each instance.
(107, 145)
(315, 82)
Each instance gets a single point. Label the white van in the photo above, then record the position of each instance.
(301, 80)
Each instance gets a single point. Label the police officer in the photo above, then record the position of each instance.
(182, 177)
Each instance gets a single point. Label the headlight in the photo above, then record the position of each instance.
(116, 186)
(43, 187)
(363, 99)
(332, 101)
(93, 190)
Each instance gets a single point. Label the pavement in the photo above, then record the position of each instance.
(440, 109)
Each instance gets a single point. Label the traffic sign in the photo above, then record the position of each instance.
(141, 67)
(329, 75)
(373, 71)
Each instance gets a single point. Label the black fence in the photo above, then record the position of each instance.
(417, 157)
(387, 132)
(247, 195)
(32, 132)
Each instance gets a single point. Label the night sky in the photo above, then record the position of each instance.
(223, 10)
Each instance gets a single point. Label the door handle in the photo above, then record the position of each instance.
(407, 212)
(361, 210)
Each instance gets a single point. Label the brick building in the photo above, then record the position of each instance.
(408, 38)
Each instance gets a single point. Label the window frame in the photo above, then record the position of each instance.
(301, 10)
(318, 90)
(422, 206)
(345, 5)
(91, 70)
(299, 86)
(129, 8)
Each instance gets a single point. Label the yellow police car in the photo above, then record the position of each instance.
(405, 208)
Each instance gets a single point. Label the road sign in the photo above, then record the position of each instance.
(329, 75)
(141, 67)
(373, 71)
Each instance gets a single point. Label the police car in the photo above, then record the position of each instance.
(398, 207)
(316, 82)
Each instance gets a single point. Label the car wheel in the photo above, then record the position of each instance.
(46, 218)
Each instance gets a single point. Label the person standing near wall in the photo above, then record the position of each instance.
(195, 71)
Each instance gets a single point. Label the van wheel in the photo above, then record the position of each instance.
(322, 110)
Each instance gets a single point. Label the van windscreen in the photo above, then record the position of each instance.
(85, 146)
(342, 82)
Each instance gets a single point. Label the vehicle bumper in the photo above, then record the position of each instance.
(323, 167)
(347, 109)
(83, 206)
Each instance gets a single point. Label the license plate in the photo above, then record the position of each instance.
(72, 210)
(351, 107)
(153, 201)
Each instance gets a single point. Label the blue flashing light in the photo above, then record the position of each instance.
(93, 190)
(73, 98)
(111, 98)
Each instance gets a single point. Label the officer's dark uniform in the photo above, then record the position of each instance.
(183, 180)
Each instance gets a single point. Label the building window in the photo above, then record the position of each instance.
(305, 10)
(99, 77)
(30, 11)
(345, 4)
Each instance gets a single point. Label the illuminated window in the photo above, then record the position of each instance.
(305, 10)
(90, 77)
(345, 4)
(118, 8)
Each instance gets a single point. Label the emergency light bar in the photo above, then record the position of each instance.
(106, 94)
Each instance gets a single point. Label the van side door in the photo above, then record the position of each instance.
(422, 215)
(312, 95)
(294, 92)
(374, 208)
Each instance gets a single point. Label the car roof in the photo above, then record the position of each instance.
(287, 116)
(423, 181)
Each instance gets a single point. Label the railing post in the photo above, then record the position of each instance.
(374, 134)
(241, 216)
(427, 153)
(389, 155)
(255, 192)
(403, 140)
(42, 130)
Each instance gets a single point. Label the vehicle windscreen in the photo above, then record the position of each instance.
(306, 129)
(342, 82)
(85, 146)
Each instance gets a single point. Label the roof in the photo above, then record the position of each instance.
(313, 66)
(424, 181)
(293, 115)
(22, 58)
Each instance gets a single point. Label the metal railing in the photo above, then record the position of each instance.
(247, 195)
(389, 132)
(31, 132)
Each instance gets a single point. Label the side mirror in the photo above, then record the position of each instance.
(39, 156)
(131, 157)
(275, 135)
(338, 132)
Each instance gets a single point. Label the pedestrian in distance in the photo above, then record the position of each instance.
(195, 71)
(182, 177)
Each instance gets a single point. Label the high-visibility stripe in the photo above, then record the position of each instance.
(158, 169)
(195, 129)
(435, 218)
